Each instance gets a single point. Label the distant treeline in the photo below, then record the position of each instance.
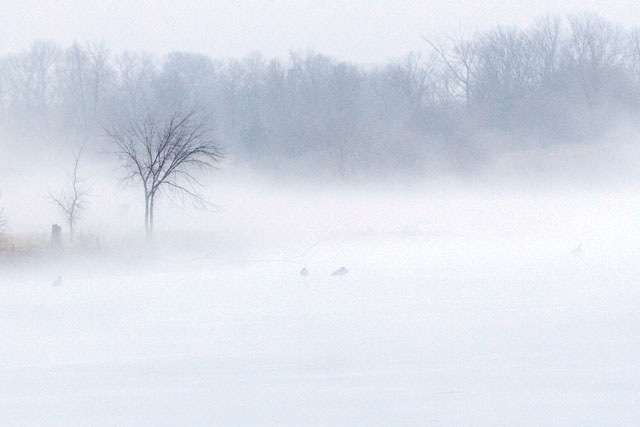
(562, 79)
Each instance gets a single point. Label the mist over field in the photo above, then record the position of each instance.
(449, 237)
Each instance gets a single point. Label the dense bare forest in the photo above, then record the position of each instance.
(560, 80)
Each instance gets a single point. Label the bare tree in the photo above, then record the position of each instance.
(459, 56)
(413, 78)
(547, 39)
(74, 79)
(505, 73)
(595, 53)
(73, 198)
(161, 152)
(30, 77)
(135, 75)
(100, 72)
(632, 59)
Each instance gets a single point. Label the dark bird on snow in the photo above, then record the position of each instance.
(341, 272)
(304, 272)
(57, 282)
(577, 251)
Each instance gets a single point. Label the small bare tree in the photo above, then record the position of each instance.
(161, 152)
(72, 199)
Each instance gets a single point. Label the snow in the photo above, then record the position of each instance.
(460, 308)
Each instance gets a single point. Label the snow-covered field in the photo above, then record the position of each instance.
(475, 307)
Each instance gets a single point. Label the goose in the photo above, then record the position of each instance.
(577, 251)
(57, 282)
(341, 272)
(304, 272)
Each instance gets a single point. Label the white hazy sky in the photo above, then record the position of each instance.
(359, 30)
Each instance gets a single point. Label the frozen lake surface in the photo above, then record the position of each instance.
(462, 310)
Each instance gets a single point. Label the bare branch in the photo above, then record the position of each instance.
(163, 152)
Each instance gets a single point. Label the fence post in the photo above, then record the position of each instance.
(56, 236)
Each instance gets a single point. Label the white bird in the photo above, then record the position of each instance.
(341, 272)
(57, 282)
(304, 272)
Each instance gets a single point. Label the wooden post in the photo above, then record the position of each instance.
(56, 236)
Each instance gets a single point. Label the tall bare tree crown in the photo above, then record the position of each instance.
(163, 152)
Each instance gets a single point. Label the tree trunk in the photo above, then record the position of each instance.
(151, 216)
(147, 232)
